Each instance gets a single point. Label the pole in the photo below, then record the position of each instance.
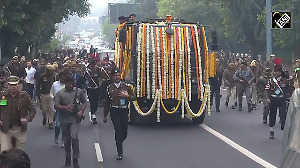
(269, 28)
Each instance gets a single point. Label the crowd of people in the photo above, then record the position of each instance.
(62, 89)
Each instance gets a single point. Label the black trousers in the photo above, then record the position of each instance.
(29, 89)
(215, 92)
(119, 119)
(94, 98)
(277, 103)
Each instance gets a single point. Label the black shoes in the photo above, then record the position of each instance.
(265, 119)
(226, 103)
(44, 121)
(235, 104)
(119, 157)
(250, 108)
(68, 162)
(232, 107)
(94, 119)
(75, 163)
(218, 110)
(272, 135)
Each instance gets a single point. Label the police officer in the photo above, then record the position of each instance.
(116, 103)
(277, 90)
(16, 110)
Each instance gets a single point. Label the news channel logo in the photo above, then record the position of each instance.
(282, 20)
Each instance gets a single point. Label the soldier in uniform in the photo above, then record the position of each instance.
(277, 90)
(116, 103)
(215, 83)
(16, 110)
(244, 76)
(261, 84)
(44, 84)
(93, 82)
(3, 82)
(230, 84)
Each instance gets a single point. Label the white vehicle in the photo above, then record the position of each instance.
(106, 52)
(73, 45)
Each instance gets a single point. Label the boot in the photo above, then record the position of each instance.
(250, 108)
(68, 161)
(226, 103)
(272, 135)
(235, 104)
(265, 119)
(240, 107)
(75, 163)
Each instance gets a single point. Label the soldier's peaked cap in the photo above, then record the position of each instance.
(13, 80)
(115, 70)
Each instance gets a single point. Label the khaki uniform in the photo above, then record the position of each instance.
(44, 84)
(12, 109)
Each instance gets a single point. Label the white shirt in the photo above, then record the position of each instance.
(30, 75)
(56, 86)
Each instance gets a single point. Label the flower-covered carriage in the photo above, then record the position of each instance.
(168, 63)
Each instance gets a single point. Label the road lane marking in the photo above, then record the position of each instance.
(238, 147)
(98, 152)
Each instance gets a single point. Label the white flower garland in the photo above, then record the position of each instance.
(208, 100)
(188, 108)
(153, 61)
(148, 60)
(165, 60)
(172, 69)
(151, 110)
(189, 63)
(139, 41)
(158, 107)
(199, 60)
(180, 62)
(158, 59)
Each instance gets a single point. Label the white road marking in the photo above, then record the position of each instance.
(98, 152)
(238, 147)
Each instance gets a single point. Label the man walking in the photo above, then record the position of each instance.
(244, 76)
(44, 84)
(16, 110)
(230, 84)
(277, 89)
(116, 103)
(29, 79)
(71, 103)
(215, 83)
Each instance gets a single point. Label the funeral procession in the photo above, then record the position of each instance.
(149, 84)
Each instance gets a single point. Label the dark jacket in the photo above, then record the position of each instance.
(21, 104)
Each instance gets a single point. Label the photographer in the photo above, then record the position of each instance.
(71, 103)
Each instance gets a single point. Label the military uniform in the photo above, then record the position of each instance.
(277, 90)
(44, 84)
(13, 109)
(261, 84)
(93, 82)
(118, 109)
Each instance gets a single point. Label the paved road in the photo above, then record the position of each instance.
(175, 144)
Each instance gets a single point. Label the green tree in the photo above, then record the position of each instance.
(206, 12)
(32, 23)
(289, 39)
(108, 30)
(241, 24)
(146, 9)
